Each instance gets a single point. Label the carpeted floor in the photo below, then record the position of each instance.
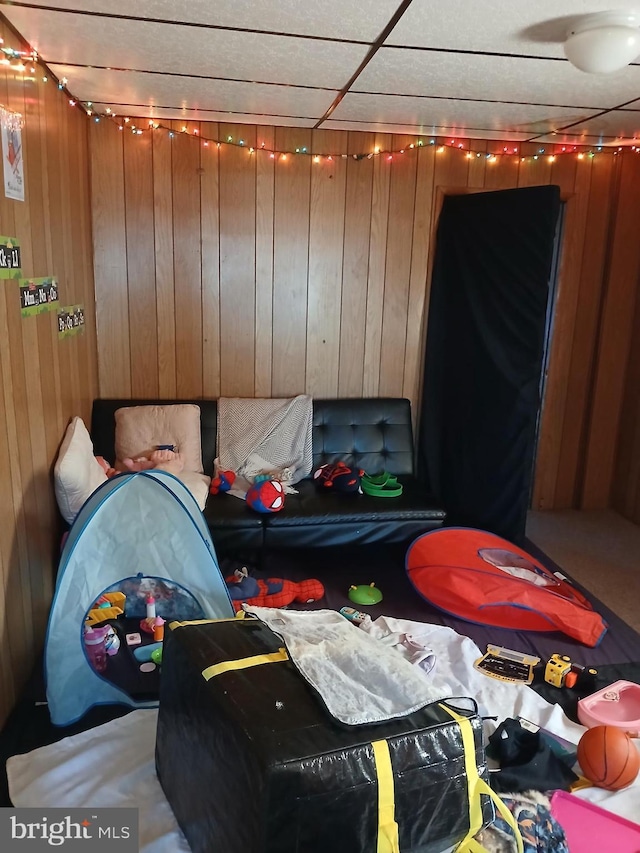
(598, 548)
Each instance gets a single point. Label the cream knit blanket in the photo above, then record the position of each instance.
(265, 436)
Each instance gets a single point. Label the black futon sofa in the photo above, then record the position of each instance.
(373, 434)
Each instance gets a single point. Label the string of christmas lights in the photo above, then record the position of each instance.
(440, 144)
(22, 61)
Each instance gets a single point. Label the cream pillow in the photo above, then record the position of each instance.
(140, 429)
(77, 473)
(198, 485)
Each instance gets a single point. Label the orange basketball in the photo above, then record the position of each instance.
(608, 757)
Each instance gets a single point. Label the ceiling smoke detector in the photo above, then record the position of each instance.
(604, 42)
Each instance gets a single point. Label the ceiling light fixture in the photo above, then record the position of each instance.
(604, 42)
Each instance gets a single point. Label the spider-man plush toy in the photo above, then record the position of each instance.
(272, 592)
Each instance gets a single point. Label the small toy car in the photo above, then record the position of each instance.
(557, 669)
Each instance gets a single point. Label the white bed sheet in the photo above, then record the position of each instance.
(110, 765)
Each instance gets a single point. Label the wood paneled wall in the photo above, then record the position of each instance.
(225, 272)
(44, 381)
(621, 315)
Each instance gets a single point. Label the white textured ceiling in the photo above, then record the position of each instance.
(493, 69)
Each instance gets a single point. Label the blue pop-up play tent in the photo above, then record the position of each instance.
(137, 533)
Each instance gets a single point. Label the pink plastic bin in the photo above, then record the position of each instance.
(590, 829)
(615, 705)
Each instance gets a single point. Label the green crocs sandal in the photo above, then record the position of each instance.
(383, 485)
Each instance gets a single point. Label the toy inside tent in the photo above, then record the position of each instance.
(140, 541)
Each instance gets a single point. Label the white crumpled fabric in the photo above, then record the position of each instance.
(406, 642)
(360, 679)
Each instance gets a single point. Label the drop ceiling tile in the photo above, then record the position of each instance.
(330, 18)
(521, 28)
(533, 81)
(619, 124)
(160, 115)
(77, 39)
(191, 56)
(133, 90)
(468, 118)
(569, 140)
(427, 133)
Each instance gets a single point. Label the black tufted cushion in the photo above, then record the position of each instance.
(372, 434)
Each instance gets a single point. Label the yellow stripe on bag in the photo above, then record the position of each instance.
(243, 663)
(387, 826)
(176, 624)
(477, 786)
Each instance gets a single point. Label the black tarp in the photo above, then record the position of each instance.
(484, 352)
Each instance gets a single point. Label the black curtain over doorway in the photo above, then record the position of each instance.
(484, 352)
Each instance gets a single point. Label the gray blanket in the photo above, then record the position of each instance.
(265, 436)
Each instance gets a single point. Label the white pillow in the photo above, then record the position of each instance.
(77, 472)
(140, 429)
(198, 485)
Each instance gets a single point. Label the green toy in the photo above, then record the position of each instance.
(156, 656)
(365, 594)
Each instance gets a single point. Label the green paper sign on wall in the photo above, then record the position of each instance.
(10, 258)
(70, 321)
(38, 295)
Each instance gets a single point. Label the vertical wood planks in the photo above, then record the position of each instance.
(626, 475)
(502, 173)
(398, 268)
(552, 419)
(420, 280)
(110, 259)
(187, 261)
(615, 340)
(377, 266)
(210, 228)
(265, 189)
(355, 265)
(141, 272)
(44, 381)
(326, 241)
(585, 339)
(164, 276)
(290, 262)
(535, 171)
(237, 263)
